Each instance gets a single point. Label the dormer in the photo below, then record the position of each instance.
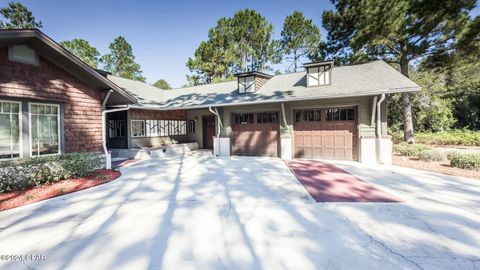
(319, 73)
(249, 82)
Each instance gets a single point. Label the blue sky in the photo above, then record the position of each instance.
(163, 33)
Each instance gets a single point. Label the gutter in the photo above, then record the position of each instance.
(220, 125)
(379, 128)
(108, 158)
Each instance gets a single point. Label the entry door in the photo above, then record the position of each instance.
(208, 131)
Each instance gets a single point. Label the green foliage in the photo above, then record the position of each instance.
(300, 38)
(451, 137)
(466, 161)
(238, 44)
(83, 50)
(398, 31)
(18, 17)
(162, 84)
(410, 150)
(121, 61)
(432, 155)
(25, 173)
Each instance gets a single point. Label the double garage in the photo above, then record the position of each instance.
(325, 133)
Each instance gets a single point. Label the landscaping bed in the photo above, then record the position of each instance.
(38, 193)
(424, 157)
(433, 166)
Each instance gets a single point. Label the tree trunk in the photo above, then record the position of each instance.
(295, 61)
(407, 108)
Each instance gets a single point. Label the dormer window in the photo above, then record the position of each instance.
(319, 73)
(252, 81)
(22, 54)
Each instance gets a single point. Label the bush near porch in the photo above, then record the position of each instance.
(25, 173)
(452, 137)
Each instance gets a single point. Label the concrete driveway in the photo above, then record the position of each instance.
(201, 212)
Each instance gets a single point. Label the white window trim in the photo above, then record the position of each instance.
(20, 119)
(30, 129)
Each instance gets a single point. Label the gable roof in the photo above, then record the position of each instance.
(368, 79)
(49, 49)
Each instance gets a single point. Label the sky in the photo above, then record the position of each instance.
(163, 34)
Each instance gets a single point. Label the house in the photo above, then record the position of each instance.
(326, 111)
(50, 101)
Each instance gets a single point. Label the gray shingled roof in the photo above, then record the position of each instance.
(357, 80)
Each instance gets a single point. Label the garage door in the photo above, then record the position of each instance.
(325, 133)
(255, 134)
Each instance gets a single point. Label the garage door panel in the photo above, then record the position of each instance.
(254, 138)
(325, 138)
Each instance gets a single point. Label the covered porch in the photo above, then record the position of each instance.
(141, 134)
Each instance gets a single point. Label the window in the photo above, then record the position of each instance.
(319, 75)
(307, 116)
(158, 128)
(246, 84)
(22, 54)
(267, 118)
(116, 129)
(340, 114)
(191, 126)
(151, 128)
(10, 127)
(243, 118)
(138, 128)
(44, 129)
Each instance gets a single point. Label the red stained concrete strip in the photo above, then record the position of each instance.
(328, 183)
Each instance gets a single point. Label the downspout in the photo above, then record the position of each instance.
(379, 129)
(108, 158)
(284, 117)
(219, 125)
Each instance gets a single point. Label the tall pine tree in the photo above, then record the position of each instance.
(18, 17)
(398, 31)
(121, 61)
(300, 39)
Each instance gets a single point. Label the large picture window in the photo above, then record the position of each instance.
(44, 129)
(10, 135)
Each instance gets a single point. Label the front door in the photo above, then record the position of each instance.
(208, 131)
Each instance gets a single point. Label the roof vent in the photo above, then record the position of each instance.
(249, 82)
(319, 73)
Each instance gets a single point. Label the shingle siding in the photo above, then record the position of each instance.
(49, 83)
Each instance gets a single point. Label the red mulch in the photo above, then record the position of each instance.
(18, 198)
(329, 183)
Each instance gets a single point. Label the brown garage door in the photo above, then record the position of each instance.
(326, 133)
(255, 134)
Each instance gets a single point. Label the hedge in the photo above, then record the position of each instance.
(25, 173)
(410, 150)
(452, 137)
(432, 155)
(465, 161)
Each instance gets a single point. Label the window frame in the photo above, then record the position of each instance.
(30, 129)
(20, 127)
(144, 128)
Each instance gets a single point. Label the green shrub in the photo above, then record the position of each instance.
(25, 173)
(466, 161)
(410, 150)
(451, 137)
(432, 155)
